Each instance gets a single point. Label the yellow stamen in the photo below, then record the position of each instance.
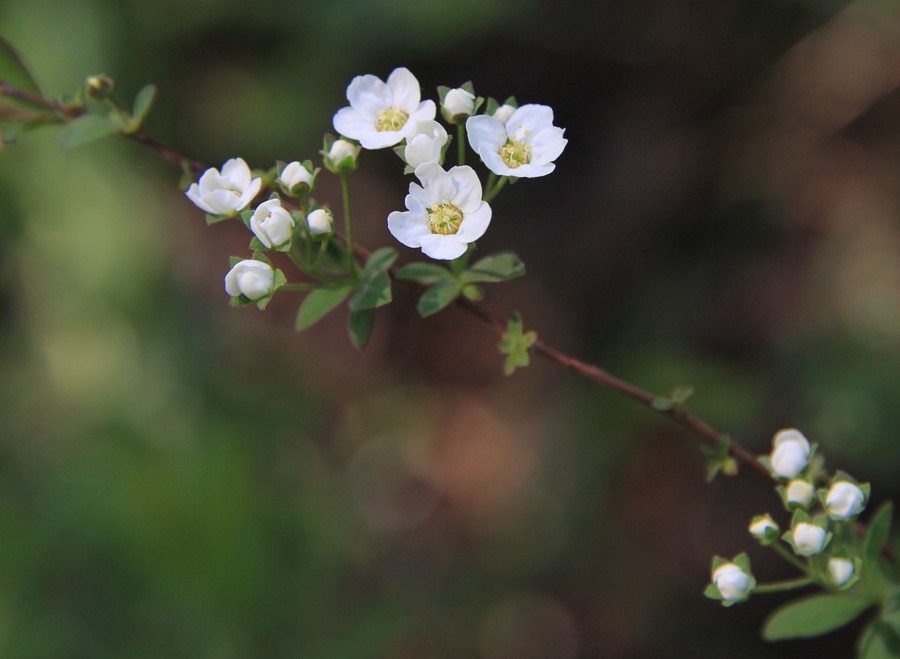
(515, 154)
(391, 119)
(444, 219)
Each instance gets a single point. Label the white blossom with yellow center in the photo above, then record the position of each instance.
(225, 192)
(524, 145)
(444, 214)
(382, 114)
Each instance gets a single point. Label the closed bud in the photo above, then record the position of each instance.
(844, 501)
(320, 222)
(272, 225)
(504, 112)
(840, 570)
(809, 539)
(733, 583)
(764, 529)
(790, 453)
(296, 178)
(800, 493)
(100, 86)
(458, 103)
(341, 157)
(252, 279)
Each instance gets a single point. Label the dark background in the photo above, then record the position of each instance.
(183, 479)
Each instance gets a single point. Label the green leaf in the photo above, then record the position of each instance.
(87, 129)
(14, 70)
(813, 616)
(515, 344)
(373, 292)
(317, 304)
(877, 641)
(673, 400)
(361, 323)
(499, 267)
(877, 535)
(381, 259)
(437, 297)
(427, 273)
(142, 104)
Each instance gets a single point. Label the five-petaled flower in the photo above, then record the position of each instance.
(252, 279)
(444, 214)
(381, 114)
(227, 192)
(524, 146)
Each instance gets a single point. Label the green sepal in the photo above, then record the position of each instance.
(438, 296)
(813, 616)
(426, 273)
(492, 106)
(400, 150)
(674, 400)
(496, 268)
(742, 561)
(86, 129)
(473, 292)
(240, 301)
(257, 246)
(515, 344)
(15, 71)
(280, 280)
(361, 323)
(318, 304)
(214, 219)
(718, 459)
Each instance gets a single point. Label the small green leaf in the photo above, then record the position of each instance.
(878, 534)
(877, 641)
(87, 129)
(673, 400)
(381, 259)
(361, 323)
(515, 345)
(813, 616)
(374, 291)
(438, 296)
(427, 273)
(499, 267)
(142, 104)
(14, 70)
(318, 304)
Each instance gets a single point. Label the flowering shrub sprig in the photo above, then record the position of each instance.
(447, 212)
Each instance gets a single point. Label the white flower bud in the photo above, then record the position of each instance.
(253, 279)
(320, 221)
(459, 101)
(503, 113)
(800, 493)
(844, 500)
(809, 539)
(764, 528)
(294, 174)
(841, 570)
(790, 453)
(272, 224)
(341, 150)
(425, 144)
(733, 583)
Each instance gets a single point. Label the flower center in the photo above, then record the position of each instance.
(444, 219)
(391, 119)
(515, 154)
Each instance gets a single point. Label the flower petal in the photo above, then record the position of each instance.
(350, 123)
(531, 117)
(547, 145)
(405, 90)
(409, 227)
(249, 193)
(442, 247)
(438, 184)
(237, 172)
(485, 133)
(468, 188)
(368, 95)
(193, 193)
(426, 111)
(375, 139)
(474, 224)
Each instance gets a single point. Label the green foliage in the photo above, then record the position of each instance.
(813, 616)
(876, 539)
(515, 344)
(88, 128)
(375, 289)
(674, 400)
(427, 273)
(878, 641)
(718, 459)
(142, 104)
(14, 70)
(318, 304)
(361, 323)
(438, 296)
(496, 268)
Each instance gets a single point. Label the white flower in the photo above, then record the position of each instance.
(844, 500)
(253, 279)
(320, 221)
(294, 174)
(525, 145)
(382, 114)
(808, 538)
(459, 101)
(225, 193)
(733, 583)
(763, 528)
(504, 112)
(790, 453)
(444, 214)
(341, 150)
(272, 224)
(425, 144)
(841, 570)
(800, 493)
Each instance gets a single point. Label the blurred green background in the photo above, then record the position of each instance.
(183, 479)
